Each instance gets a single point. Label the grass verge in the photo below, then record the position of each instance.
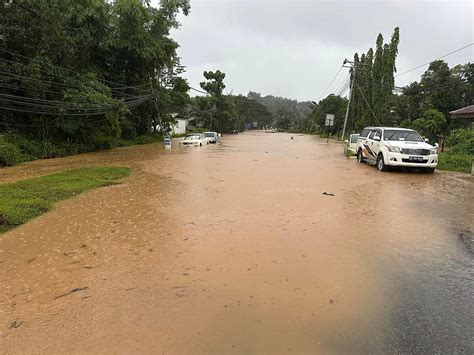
(23, 200)
(455, 162)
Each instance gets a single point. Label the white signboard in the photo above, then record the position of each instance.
(329, 120)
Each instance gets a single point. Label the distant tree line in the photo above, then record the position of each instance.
(227, 113)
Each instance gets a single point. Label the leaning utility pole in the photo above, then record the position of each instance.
(351, 91)
(156, 106)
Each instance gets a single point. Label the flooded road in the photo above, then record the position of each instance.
(234, 248)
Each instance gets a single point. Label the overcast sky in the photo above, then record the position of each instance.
(294, 48)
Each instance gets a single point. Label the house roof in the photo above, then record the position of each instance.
(465, 112)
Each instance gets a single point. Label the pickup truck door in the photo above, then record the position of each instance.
(376, 142)
(369, 145)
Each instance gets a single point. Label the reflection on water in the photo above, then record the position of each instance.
(233, 248)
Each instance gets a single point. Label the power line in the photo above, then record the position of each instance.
(344, 87)
(19, 104)
(54, 102)
(431, 88)
(370, 108)
(443, 56)
(200, 91)
(53, 113)
(119, 86)
(335, 76)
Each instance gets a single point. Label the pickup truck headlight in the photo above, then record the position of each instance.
(433, 151)
(393, 149)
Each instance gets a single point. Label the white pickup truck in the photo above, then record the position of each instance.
(398, 147)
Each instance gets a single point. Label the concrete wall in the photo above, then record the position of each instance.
(179, 127)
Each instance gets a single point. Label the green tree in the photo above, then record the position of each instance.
(374, 83)
(226, 112)
(332, 104)
(250, 110)
(99, 58)
(431, 125)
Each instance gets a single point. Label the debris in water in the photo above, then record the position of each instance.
(331, 301)
(72, 291)
(15, 324)
(328, 194)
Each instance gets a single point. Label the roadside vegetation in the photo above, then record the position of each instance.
(82, 76)
(86, 75)
(460, 155)
(26, 199)
(16, 148)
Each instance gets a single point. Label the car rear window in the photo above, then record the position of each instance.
(354, 138)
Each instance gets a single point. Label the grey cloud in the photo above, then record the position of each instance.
(294, 48)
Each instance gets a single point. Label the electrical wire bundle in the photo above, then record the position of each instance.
(22, 92)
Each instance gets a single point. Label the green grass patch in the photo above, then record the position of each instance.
(455, 162)
(144, 139)
(23, 200)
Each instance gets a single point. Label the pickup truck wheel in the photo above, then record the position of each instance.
(429, 170)
(200, 144)
(360, 158)
(380, 164)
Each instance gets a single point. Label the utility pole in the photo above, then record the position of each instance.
(156, 106)
(351, 91)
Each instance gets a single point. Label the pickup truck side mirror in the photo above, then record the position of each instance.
(377, 138)
(436, 145)
(427, 140)
(346, 141)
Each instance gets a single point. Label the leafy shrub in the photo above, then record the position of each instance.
(31, 149)
(455, 162)
(461, 141)
(10, 154)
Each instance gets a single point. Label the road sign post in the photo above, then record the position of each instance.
(329, 123)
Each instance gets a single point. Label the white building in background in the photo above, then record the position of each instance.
(180, 126)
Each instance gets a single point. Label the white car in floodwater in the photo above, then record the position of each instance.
(213, 137)
(195, 139)
(387, 147)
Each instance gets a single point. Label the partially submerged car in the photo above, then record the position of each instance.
(387, 147)
(213, 137)
(351, 144)
(195, 139)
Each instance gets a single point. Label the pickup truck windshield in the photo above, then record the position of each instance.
(395, 135)
(209, 134)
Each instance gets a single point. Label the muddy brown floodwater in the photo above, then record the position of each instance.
(233, 248)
